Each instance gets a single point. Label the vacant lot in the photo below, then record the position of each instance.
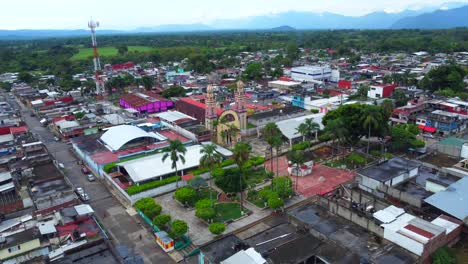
(86, 53)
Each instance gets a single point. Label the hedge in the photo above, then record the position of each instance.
(254, 161)
(301, 146)
(204, 170)
(111, 165)
(151, 185)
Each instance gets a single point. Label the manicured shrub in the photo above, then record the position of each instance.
(283, 186)
(301, 146)
(151, 185)
(145, 203)
(206, 213)
(178, 228)
(153, 211)
(185, 195)
(266, 194)
(161, 220)
(275, 202)
(204, 203)
(217, 228)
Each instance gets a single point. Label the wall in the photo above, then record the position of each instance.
(368, 183)
(25, 247)
(351, 215)
(402, 196)
(434, 187)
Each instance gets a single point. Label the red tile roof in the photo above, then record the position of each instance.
(18, 130)
(419, 231)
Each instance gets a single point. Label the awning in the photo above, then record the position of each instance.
(427, 128)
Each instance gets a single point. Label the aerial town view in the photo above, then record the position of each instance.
(247, 132)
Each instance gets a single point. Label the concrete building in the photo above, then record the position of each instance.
(455, 147)
(311, 73)
(390, 173)
(147, 102)
(415, 234)
(381, 91)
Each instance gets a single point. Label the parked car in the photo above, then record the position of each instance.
(85, 170)
(426, 135)
(90, 177)
(82, 194)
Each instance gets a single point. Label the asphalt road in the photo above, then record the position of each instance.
(123, 228)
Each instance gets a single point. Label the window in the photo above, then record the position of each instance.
(13, 249)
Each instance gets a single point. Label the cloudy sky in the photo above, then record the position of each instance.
(119, 14)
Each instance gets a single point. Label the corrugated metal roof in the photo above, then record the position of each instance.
(452, 141)
(453, 200)
(117, 136)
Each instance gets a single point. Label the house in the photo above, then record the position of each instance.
(451, 200)
(455, 147)
(446, 122)
(18, 244)
(381, 90)
(415, 234)
(390, 172)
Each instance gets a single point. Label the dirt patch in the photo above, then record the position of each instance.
(324, 152)
(440, 160)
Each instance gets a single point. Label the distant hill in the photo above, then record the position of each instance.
(175, 28)
(457, 17)
(447, 15)
(283, 28)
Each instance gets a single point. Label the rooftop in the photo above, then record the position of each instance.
(275, 112)
(452, 200)
(389, 169)
(150, 167)
(116, 137)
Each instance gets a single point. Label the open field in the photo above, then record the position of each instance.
(86, 53)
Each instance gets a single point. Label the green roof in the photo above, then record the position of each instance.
(452, 141)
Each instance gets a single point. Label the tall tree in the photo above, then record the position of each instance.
(148, 82)
(176, 152)
(296, 157)
(312, 127)
(270, 134)
(370, 121)
(337, 130)
(241, 154)
(209, 159)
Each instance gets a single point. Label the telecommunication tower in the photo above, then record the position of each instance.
(97, 64)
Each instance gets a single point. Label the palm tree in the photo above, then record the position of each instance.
(307, 128)
(370, 121)
(241, 154)
(277, 142)
(303, 130)
(336, 129)
(296, 157)
(210, 158)
(176, 151)
(270, 133)
(232, 132)
(312, 127)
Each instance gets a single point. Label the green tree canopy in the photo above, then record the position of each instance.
(174, 91)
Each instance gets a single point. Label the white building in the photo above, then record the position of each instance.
(311, 73)
(389, 173)
(416, 234)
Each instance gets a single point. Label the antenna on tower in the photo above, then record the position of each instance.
(97, 64)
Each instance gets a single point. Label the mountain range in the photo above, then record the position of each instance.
(448, 15)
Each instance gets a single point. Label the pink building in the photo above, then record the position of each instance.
(147, 102)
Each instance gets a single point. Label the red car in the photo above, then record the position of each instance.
(85, 170)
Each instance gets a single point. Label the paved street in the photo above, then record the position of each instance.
(124, 229)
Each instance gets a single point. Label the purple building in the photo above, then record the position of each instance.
(147, 102)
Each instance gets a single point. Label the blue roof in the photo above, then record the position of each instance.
(453, 200)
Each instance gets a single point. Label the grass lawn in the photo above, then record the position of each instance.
(255, 177)
(227, 211)
(86, 53)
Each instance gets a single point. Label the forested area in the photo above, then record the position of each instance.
(58, 56)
